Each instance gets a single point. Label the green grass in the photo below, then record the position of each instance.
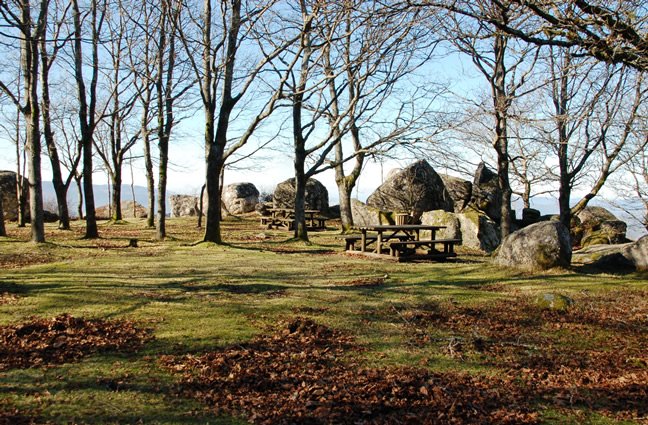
(199, 297)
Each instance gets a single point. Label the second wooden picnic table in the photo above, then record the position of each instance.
(285, 217)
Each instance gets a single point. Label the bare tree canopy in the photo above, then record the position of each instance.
(611, 31)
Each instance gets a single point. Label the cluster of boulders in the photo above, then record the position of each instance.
(237, 198)
(129, 209)
(469, 210)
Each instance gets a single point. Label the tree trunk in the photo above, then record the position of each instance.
(60, 187)
(31, 112)
(162, 182)
(80, 190)
(117, 193)
(346, 214)
(212, 218)
(200, 205)
(501, 105)
(301, 232)
(3, 231)
(150, 182)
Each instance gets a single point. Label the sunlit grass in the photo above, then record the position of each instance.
(198, 297)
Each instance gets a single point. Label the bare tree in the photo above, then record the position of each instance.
(48, 58)
(611, 32)
(119, 135)
(18, 14)
(506, 70)
(87, 107)
(224, 82)
(377, 48)
(594, 109)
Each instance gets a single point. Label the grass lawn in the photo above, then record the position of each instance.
(462, 322)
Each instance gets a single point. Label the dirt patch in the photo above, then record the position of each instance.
(65, 339)
(301, 374)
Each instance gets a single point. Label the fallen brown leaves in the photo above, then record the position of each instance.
(592, 356)
(64, 339)
(299, 374)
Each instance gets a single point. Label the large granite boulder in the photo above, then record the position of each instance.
(637, 252)
(414, 189)
(478, 231)
(599, 226)
(103, 212)
(540, 246)
(450, 222)
(486, 193)
(316, 195)
(184, 205)
(9, 198)
(460, 191)
(365, 215)
(616, 258)
(240, 198)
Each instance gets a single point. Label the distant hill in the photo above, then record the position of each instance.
(101, 195)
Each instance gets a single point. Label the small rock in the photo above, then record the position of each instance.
(554, 302)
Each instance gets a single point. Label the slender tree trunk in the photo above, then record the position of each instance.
(86, 118)
(150, 181)
(80, 190)
(3, 231)
(31, 111)
(212, 218)
(117, 193)
(20, 187)
(501, 105)
(301, 232)
(60, 187)
(200, 205)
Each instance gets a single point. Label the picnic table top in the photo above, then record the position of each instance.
(381, 227)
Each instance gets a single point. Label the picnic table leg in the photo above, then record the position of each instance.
(379, 243)
(363, 241)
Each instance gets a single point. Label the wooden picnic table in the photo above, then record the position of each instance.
(400, 241)
(285, 217)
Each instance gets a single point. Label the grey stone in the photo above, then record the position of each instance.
(486, 193)
(449, 220)
(414, 189)
(184, 205)
(616, 258)
(9, 198)
(599, 226)
(364, 215)
(264, 208)
(316, 195)
(478, 231)
(540, 246)
(554, 302)
(460, 191)
(103, 212)
(530, 216)
(240, 198)
(637, 253)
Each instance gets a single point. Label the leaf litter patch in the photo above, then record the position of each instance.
(301, 373)
(591, 356)
(64, 339)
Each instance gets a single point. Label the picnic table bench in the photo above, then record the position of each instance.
(401, 242)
